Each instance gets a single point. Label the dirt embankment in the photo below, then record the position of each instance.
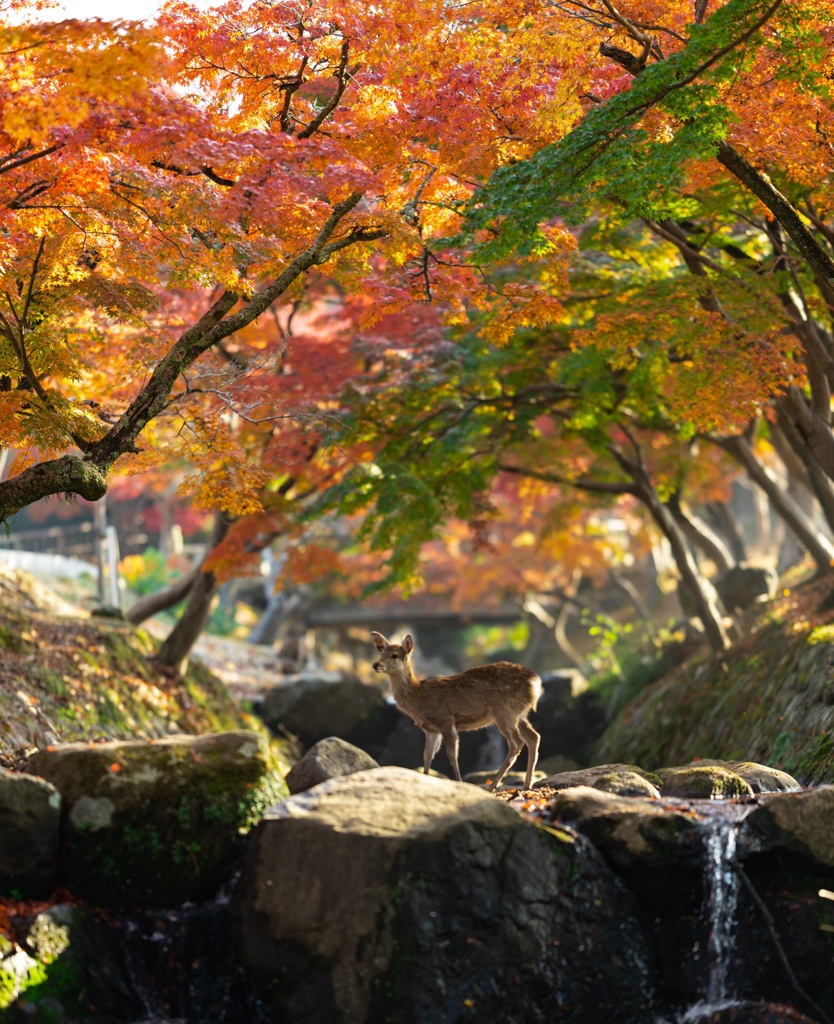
(770, 698)
(66, 676)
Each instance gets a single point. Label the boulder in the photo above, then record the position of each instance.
(30, 813)
(742, 586)
(801, 824)
(147, 823)
(626, 783)
(313, 709)
(388, 895)
(512, 780)
(402, 747)
(569, 716)
(703, 782)
(588, 776)
(761, 778)
(658, 850)
(327, 759)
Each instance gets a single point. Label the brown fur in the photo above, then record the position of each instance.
(444, 706)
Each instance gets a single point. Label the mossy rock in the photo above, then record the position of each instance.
(68, 967)
(626, 783)
(29, 819)
(703, 782)
(155, 823)
(589, 776)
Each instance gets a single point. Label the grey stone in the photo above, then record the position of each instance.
(703, 782)
(313, 709)
(801, 823)
(156, 822)
(390, 895)
(327, 759)
(588, 776)
(742, 586)
(626, 783)
(30, 813)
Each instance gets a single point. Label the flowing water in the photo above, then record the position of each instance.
(722, 885)
(722, 824)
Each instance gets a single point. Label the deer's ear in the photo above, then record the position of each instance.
(407, 644)
(379, 641)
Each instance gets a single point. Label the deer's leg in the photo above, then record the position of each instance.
(531, 739)
(512, 735)
(450, 741)
(430, 749)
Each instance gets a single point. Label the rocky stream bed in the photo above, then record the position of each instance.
(175, 881)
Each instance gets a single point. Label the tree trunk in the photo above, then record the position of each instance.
(702, 536)
(724, 520)
(817, 546)
(169, 596)
(787, 438)
(176, 648)
(633, 594)
(691, 578)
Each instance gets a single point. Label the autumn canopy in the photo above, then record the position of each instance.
(405, 260)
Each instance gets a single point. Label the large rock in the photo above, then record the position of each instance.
(589, 776)
(658, 849)
(327, 759)
(313, 709)
(800, 824)
(391, 896)
(30, 812)
(153, 823)
(569, 717)
(742, 586)
(626, 783)
(703, 782)
(759, 777)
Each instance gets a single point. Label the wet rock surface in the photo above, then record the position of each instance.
(794, 824)
(30, 812)
(396, 897)
(703, 782)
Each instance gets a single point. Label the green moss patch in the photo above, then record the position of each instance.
(769, 699)
(158, 823)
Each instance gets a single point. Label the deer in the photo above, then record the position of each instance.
(444, 706)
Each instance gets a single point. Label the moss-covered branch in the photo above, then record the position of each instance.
(66, 475)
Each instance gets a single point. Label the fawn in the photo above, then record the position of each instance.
(503, 693)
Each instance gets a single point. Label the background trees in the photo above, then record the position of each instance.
(310, 268)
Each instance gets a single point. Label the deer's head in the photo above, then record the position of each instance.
(392, 657)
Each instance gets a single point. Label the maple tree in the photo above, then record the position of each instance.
(167, 187)
(257, 146)
(712, 123)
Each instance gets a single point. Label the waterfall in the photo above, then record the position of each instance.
(722, 884)
(719, 908)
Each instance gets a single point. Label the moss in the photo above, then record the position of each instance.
(177, 813)
(814, 763)
(767, 700)
(821, 635)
